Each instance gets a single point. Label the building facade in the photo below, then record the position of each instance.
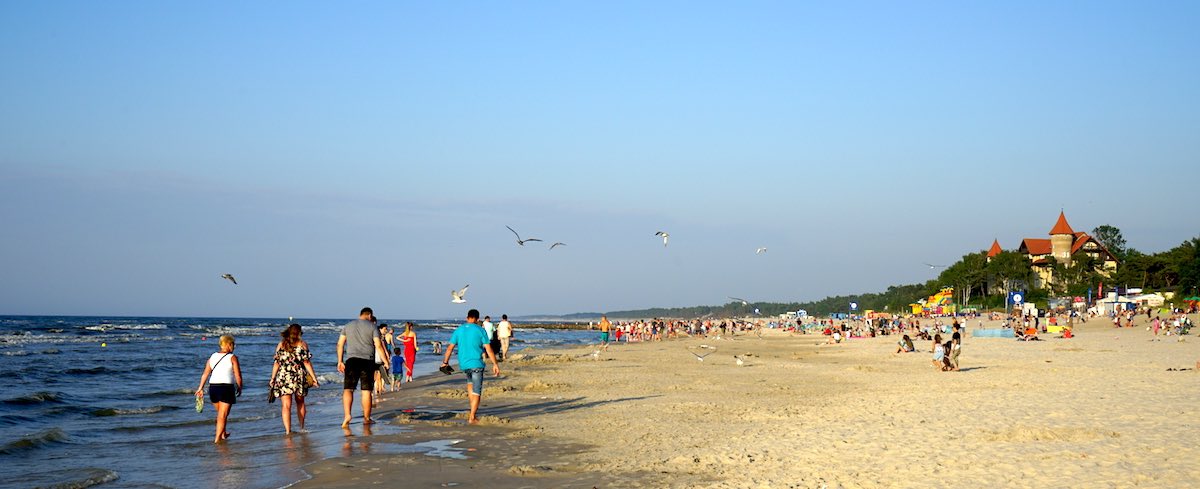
(1062, 247)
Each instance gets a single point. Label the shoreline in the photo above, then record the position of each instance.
(1100, 409)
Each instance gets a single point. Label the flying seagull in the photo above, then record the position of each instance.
(743, 301)
(665, 236)
(760, 250)
(931, 266)
(711, 350)
(519, 240)
(229, 278)
(459, 296)
(557, 244)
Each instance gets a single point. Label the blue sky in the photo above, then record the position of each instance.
(339, 155)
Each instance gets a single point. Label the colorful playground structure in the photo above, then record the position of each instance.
(939, 303)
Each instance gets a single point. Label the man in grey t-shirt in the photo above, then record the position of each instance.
(356, 349)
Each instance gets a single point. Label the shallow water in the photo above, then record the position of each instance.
(75, 411)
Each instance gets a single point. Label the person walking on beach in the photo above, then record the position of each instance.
(605, 326)
(290, 375)
(505, 331)
(224, 375)
(409, 339)
(382, 366)
(356, 349)
(472, 344)
(397, 368)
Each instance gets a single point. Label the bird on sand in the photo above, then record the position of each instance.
(739, 360)
(557, 244)
(760, 250)
(229, 278)
(459, 296)
(519, 240)
(665, 236)
(711, 350)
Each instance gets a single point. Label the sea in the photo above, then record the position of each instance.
(109, 401)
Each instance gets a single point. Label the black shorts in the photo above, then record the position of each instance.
(359, 371)
(222, 393)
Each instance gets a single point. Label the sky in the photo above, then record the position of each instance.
(336, 155)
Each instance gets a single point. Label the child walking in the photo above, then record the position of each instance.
(224, 377)
(397, 368)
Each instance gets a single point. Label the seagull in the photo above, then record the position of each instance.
(711, 350)
(665, 236)
(743, 301)
(557, 244)
(760, 250)
(459, 296)
(229, 278)
(740, 362)
(522, 241)
(931, 267)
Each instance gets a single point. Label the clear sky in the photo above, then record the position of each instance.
(333, 155)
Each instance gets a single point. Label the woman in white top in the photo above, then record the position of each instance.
(224, 377)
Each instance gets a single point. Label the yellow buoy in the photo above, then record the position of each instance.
(103, 344)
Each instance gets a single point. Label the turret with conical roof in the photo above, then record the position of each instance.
(1061, 239)
(995, 249)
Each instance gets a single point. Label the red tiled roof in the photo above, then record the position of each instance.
(1036, 246)
(995, 248)
(1061, 227)
(1083, 238)
(1080, 240)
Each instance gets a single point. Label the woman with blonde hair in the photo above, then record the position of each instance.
(409, 339)
(224, 376)
(292, 375)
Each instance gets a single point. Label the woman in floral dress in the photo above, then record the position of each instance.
(289, 375)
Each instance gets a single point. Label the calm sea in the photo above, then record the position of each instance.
(74, 412)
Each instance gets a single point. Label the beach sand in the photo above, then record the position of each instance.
(1099, 410)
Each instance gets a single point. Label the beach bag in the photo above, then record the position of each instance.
(309, 380)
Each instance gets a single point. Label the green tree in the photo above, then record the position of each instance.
(1074, 279)
(1187, 259)
(1111, 238)
(966, 275)
(1010, 269)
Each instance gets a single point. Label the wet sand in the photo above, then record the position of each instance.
(1099, 410)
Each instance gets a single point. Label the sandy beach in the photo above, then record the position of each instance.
(1099, 410)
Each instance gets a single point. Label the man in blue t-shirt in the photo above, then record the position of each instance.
(472, 343)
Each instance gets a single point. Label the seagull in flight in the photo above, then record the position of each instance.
(459, 296)
(931, 266)
(665, 236)
(229, 278)
(557, 244)
(711, 350)
(522, 241)
(743, 301)
(760, 250)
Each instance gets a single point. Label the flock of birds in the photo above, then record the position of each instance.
(460, 296)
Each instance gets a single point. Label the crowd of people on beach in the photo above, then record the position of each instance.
(374, 358)
(364, 361)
